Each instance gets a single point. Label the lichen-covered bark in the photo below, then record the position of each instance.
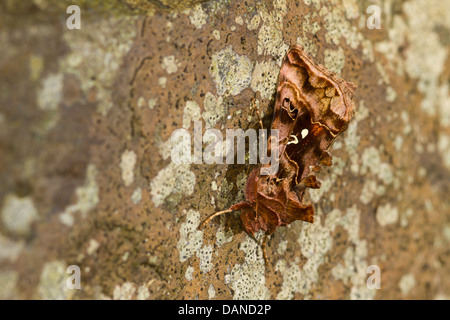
(86, 176)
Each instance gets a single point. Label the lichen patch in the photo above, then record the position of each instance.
(270, 36)
(170, 64)
(205, 256)
(87, 198)
(407, 283)
(9, 249)
(136, 197)
(8, 281)
(211, 292)
(334, 60)
(53, 282)
(126, 291)
(50, 95)
(127, 163)
(248, 280)
(264, 78)
(18, 214)
(214, 110)
(197, 16)
(231, 72)
(174, 179)
(191, 113)
(95, 57)
(191, 239)
(387, 214)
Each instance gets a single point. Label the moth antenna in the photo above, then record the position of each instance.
(213, 216)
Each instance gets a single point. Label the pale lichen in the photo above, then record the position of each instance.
(418, 63)
(334, 60)
(53, 282)
(175, 179)
(18, 214)
(9, 249)
(205, 256)
(211, 292)
(253, 23)
(197, 16)
(264, 78)
(407, 283)
(170, 64)
(136, 197)
(282, 247)
(216, 34)
(191, 239)
(191, 113)
(372, 163)
(247, 279)
(214, 110)
(270, 35)
(223, 236)
(391, 94)
(50, 94)
(354, 269)
(370, 189)
(387, 214)
(127, 163)
(95, 57)
(36, 64)
(87, 197)
(239, 20)
(352, 139)
(328, 182)
(308, 29)
(404, 216)
(444, 148)
(315, 242)
(162, 82)
(231, 72)
(189, 272)
(293, 280)
(142, 291)
(126, 291)
(92, 247)
(152, 103)
(351, 9)
(8, 281)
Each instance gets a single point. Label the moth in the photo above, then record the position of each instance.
(313, 106)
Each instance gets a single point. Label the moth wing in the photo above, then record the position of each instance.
(267, 212)
(297, 211)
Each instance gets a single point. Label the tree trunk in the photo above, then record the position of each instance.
(88, 180)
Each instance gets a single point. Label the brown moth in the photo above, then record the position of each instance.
(312, 107)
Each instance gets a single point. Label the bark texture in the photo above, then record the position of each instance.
(86, 176)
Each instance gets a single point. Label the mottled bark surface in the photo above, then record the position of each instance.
(86, 176)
